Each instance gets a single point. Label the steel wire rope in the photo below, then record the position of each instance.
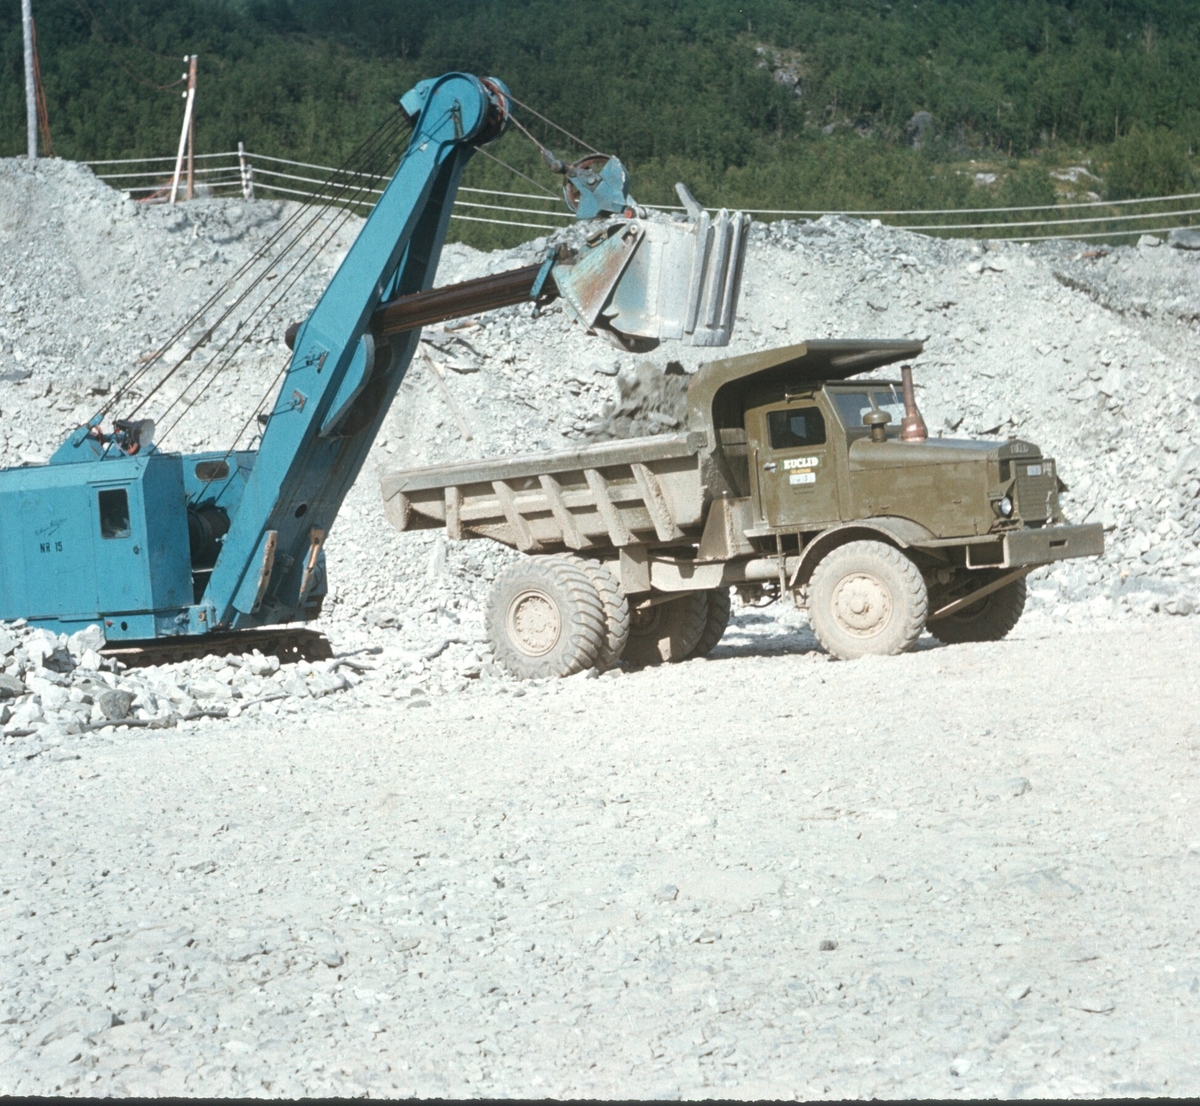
(268, 392)
(536, 184)
(93, 22)
(222, 357)
(132, 37)
(247, 266)
(322, 213)
(534, 111)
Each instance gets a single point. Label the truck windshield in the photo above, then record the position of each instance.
(852, 406)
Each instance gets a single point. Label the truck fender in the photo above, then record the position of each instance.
(899, 532)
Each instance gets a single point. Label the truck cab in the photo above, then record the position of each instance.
(812, 463)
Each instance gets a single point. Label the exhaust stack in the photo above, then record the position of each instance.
(912, 426)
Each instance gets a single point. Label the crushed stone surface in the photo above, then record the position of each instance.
(612, 886)
(959, 872)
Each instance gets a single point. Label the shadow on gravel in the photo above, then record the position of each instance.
(796, 643)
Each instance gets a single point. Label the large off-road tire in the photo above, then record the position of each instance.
(866, 597)
(544, 618)
(667, 631)
(988, 620)
(617, 618)
(715, 622)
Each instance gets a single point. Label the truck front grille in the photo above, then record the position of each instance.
(1035, 491)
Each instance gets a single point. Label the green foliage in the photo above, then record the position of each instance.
(766, 104)
(1148, 163)
(1026, 186)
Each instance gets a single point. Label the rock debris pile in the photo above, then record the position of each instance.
(1092, 352)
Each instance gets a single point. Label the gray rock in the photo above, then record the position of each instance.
(59, 659)
(1183, 238)
(828, 944)
(10, 686)
(920, 128)
(116, 704)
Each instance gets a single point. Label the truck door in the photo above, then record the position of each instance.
(795, 480)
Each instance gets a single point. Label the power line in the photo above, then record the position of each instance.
(110, 49)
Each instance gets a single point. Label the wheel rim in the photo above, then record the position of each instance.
(645, 620)
(534, 626)
(862, 604)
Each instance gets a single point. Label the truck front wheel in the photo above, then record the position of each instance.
(544, 618)
(988, 620)
(667, 631)
(866, 597)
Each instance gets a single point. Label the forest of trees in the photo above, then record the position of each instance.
(767, 103)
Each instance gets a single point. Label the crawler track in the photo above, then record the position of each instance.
(286, 643)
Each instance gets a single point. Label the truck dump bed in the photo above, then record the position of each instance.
(633, 491)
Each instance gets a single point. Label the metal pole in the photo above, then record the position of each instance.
(183, 134)
(192, 131)
(31, 120)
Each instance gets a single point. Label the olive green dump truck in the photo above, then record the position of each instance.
(790, 480)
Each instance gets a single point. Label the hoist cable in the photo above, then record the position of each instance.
(301, 212)
(246, 327)
(382, 134)
(223, 356)
(532, 111)
(548, 191)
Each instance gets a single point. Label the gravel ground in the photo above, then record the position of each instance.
(630, 885)
(399, 872)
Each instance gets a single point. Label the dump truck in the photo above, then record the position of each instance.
(794, 477)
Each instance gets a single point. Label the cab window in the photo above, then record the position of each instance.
(114, 513)
(796, 428)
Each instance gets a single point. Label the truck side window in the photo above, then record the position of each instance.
(796, 428)
(114, 513)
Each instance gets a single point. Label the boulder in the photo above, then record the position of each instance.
(10, 686)
(1183, 238)
(116, 704)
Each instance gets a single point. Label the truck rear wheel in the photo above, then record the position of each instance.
(715, 623)
(866, 597)
(616, 608)
(667, 631)
(544, 618)
(990, 619)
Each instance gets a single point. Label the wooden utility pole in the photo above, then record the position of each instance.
(43, 114)
(186, 134)
(31, 115)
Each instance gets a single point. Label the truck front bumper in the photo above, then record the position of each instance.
(1052, 543)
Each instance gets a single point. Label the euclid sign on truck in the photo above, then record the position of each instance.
(791, 479)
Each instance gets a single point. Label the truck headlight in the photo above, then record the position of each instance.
(1004, 507)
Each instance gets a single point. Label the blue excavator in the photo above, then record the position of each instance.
(176, 554)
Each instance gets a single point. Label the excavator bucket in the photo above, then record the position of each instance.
(647, 280)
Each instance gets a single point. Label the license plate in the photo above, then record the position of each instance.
(802, 478)
(1033, 470)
